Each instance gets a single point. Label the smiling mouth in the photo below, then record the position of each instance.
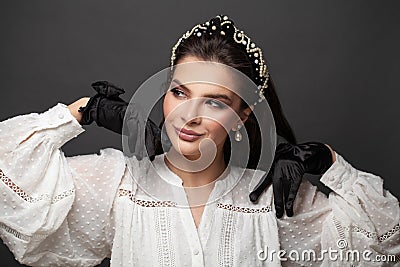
(187, 135)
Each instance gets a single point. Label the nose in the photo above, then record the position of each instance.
(190, 112)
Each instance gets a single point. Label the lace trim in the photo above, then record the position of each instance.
(20, 192)
(369, 234)
(166, 253)
(245, 210)
(226, 244)
(19, 235)
(146, 203)
(168, 203)
(389, 233)
(339, 228)
(357, 229)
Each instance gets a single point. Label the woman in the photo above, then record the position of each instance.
(59, 210)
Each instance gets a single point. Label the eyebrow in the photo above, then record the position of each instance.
(208, 95)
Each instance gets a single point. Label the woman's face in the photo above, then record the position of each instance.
(198, 111)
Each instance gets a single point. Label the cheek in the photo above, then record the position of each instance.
(223, 120)
(168, 105)
(216, 131)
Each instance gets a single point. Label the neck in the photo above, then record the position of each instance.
(201, 177)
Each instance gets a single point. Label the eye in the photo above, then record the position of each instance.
(216, 104)
(178, 93)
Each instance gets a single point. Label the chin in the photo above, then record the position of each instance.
(187, 148)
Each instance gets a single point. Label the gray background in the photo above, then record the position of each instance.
(335, 64)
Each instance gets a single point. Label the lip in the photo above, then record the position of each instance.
(187, 135)
(188, 132)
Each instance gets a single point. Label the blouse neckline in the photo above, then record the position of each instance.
(222, 186)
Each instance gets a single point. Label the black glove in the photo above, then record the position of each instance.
(291, 162)
(108, 110)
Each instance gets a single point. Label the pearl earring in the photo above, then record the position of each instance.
(238, 134)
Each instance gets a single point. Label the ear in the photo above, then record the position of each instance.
(245, 113)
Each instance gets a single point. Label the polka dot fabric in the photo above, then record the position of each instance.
(75, 211)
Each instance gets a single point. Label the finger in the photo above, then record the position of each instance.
(130, 128)
(286, 183)
(133, 136)
(295, 185)
(151, 138)
(264, 183)
(290, 200)
(135, 131)
(140, 142)
(278, 193)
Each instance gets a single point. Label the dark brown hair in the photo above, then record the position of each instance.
(224, 50)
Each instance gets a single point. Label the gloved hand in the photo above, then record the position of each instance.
(291, 162)
(108, 110)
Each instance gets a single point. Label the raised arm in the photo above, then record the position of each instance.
(55, 210)
(108, 110)
(364, 214)
(359, 219)
(74, 108)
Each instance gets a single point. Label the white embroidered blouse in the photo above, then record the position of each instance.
(76, 211)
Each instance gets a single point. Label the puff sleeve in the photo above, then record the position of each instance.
(356, 225)
(365, 216)
(55, 210)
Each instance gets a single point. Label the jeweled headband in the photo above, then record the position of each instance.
(221, 24)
